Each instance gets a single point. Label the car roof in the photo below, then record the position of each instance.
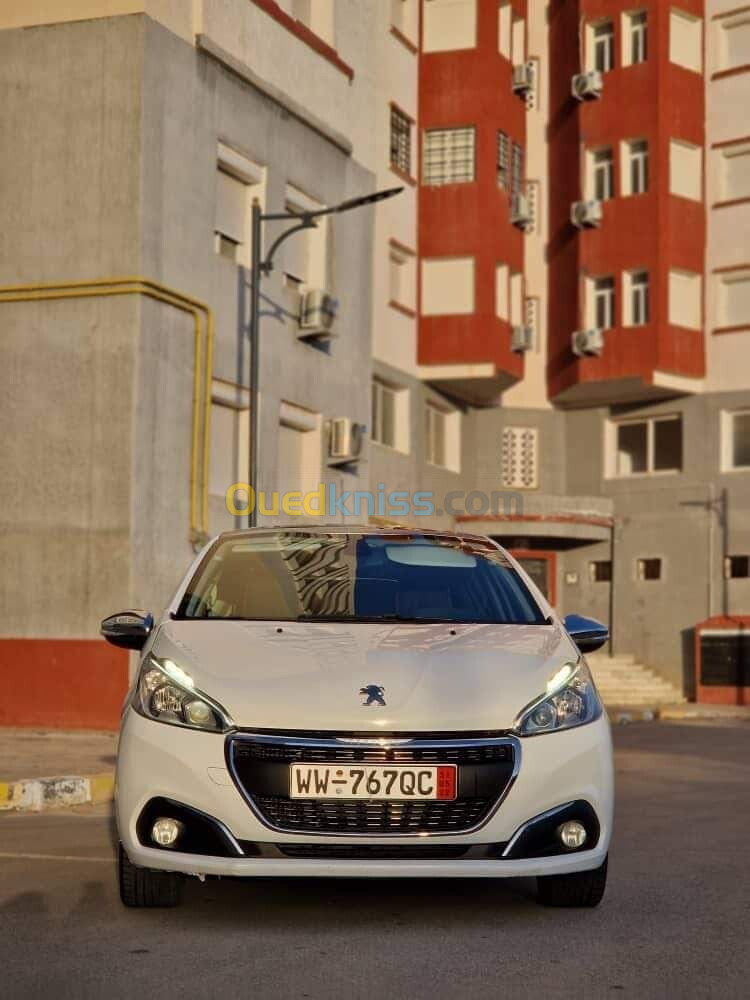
(355, 529)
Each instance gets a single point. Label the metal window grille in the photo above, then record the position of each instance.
(520, 457)
(400, 141)
(503, 160)
(516, 180)
(448, 156)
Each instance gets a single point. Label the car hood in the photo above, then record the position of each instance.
(308, 676)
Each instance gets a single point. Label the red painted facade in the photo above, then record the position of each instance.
(70, 683)
(461, 88)
(656, 231)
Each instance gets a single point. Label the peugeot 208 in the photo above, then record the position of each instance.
(332, 701)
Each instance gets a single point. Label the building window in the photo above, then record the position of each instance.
(734, 39)
(447, 286)
(733, 306)
(318, 16)
(604, 46)
(734, 172)
(402, 278)
(685, 40)
(603, 171)
(230, 419)
(604, 303)
(600, 571)
(306, 254)
(636, 35)
(435, 435)
(231, 221)
(735, 441)
(635, 167)
(686, 170)
(737, 567)
(504, 16)
(385, 415)
(520, 458)
(502, 300)
(448, 25)
(647, 446)
(636, 298)
(448, 156)
(685, 299)
(516, 168)
(442, 437)
(648, 569)
(229, 449)
(400, 141)
(503, 159)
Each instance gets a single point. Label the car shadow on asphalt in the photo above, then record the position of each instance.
(326, 903)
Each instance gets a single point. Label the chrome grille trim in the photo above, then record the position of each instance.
(379, 742)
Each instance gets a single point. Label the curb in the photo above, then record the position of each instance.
(36, 794)
(677, 713)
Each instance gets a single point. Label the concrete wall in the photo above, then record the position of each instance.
(663, 516)
(110, 170)
(68, 372)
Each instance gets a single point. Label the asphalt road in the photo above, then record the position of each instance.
(674, 922)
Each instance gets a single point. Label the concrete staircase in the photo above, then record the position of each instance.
(624, 683)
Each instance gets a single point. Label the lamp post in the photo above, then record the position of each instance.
(260, 267)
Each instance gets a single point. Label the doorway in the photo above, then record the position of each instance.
(542, 568)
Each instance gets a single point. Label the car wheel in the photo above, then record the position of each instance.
(144, 887)
(576, 889)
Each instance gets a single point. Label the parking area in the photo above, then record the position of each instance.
(673, 922)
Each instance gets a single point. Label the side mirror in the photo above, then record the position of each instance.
(586, 633)
(128, 629)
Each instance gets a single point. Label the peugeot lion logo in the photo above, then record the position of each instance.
(374, 694)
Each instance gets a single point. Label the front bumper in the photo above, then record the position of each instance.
(157, 760)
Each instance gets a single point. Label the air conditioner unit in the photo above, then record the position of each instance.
(585, 214)
(345, 440)
(523, 78)
(317, 313)
(586, 86)
(521, 339)
(520, 212)
(587, 343)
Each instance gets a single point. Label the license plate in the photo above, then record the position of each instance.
(399, 782)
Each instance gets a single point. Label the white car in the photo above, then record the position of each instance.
(361, 702)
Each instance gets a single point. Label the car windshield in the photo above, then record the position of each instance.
(358, 577)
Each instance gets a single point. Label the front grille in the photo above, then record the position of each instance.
(259, 765)
(376, 817)
(249, 750)
(374, 852)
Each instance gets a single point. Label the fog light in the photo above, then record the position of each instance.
(572, 834)
(165, 831)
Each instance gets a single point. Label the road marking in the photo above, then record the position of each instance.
(54, 857)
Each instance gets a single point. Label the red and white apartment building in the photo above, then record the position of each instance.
(583, 307)
(556, 310)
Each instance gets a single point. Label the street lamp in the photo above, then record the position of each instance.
(260, 267)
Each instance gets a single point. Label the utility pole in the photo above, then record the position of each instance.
(261, 266)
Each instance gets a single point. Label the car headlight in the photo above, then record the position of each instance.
(166, 693)
(571, 700)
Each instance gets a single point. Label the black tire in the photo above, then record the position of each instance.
(144, 887)
(576, 889)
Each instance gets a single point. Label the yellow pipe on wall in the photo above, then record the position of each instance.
(101, 287)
